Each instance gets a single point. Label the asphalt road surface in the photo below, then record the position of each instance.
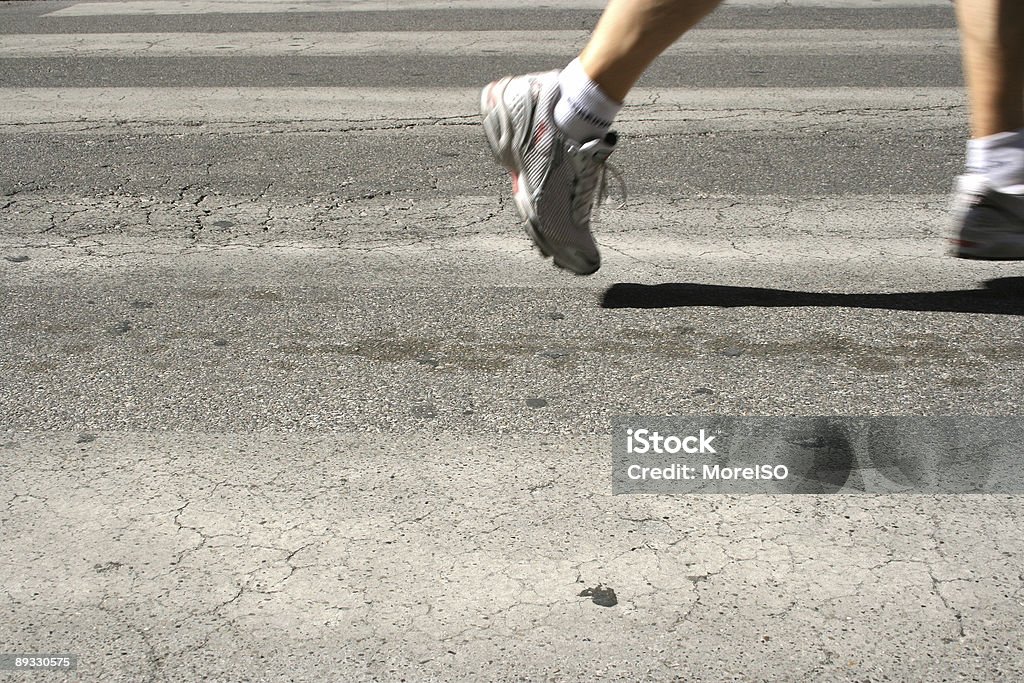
(286, 394)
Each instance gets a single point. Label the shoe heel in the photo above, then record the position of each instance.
(496, 123)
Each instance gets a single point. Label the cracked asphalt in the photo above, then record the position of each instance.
(370, 556)
(285, 394)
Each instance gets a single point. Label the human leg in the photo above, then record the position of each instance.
(989, 201)
(992, 37)
(631, 34)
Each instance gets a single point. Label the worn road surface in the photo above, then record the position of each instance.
(285, 393)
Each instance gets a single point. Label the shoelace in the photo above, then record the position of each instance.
(590, 176)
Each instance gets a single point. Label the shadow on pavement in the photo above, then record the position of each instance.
(1001, 296)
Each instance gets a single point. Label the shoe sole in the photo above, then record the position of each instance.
(1002, 247)
(498, 131)
(985, 229)
(977, 251)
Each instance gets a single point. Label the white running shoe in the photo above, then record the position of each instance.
(987, 224)
(554, 179)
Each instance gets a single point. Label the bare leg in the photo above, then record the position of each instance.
(992, 33)
(632, 33)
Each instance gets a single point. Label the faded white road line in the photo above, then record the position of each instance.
(461, 43)
(70, 109)
(726, 229)
(267, 6)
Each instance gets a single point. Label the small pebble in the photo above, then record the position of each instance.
(602, 596)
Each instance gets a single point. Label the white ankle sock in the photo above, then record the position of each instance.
(583, 111)
(1000, 158)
